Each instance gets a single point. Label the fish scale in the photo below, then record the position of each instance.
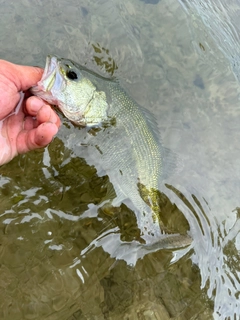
(137, 160)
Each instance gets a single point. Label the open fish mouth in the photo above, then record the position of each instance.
(49, 74)
(51, 84)
(50, 81)
(50, 67)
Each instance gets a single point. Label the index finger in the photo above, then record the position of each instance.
(23, 77)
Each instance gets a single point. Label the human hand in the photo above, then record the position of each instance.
(25, 124)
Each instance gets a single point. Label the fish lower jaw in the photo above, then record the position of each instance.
(75, 118)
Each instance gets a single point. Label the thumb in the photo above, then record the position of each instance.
(23, 77)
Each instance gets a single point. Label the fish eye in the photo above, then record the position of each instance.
(71, 75)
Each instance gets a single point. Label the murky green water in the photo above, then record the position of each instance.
(179, 59)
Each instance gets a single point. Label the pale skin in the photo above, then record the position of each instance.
(34, 124)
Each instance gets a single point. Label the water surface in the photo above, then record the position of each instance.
(179, 59)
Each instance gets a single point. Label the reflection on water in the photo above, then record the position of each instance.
(103, 59)
(221, 19)
(179, 60)
(43, 244)
(218, 20)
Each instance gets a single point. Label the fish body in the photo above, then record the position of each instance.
(127, 140)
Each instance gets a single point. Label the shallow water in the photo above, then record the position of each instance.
(179, 59)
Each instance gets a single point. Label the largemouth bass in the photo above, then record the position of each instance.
(127, 140)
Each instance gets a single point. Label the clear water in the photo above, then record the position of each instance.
(179, 59)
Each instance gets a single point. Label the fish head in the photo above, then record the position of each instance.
(64, 84)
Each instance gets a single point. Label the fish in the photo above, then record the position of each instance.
(126, 140)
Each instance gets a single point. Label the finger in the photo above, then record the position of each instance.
(27, 77)
(46, 114)
(33, 105)
(43, 112)
(36, 138)
(23, 77)
(29, 123)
